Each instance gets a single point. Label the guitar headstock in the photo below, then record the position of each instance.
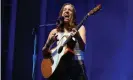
(94, 10)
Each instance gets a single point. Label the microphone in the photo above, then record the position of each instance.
(60, 21)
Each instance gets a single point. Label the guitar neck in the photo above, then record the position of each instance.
(81, 23)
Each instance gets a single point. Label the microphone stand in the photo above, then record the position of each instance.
(34, 33)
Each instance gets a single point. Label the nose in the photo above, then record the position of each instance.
(67, 11)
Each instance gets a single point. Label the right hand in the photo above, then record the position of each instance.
(46, 52)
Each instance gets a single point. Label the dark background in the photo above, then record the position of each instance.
(109, 49)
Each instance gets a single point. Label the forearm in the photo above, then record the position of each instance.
(46, 49)
(48, 43)
(80, 41)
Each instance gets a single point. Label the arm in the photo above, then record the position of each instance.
(82, 33)
(50, 39)
(81, 37)
(49, 42)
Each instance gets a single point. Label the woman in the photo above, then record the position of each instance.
(71, 65)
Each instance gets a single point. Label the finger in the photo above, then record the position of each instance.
(74, 30)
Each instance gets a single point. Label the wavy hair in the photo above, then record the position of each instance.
(72, 23)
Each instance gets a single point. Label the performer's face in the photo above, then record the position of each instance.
(67, 13)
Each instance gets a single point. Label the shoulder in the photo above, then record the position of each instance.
(82, 29)
(53, 31)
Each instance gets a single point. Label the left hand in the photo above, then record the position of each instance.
(74, 31)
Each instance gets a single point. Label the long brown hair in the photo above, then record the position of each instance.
(72, 23)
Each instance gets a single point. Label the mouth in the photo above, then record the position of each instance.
(66, 17)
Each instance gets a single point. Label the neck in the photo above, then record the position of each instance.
(65, 27)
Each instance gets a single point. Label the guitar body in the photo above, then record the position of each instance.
(46, 68)
(49, 65)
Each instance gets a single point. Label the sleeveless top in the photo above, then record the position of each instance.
(79, 54)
